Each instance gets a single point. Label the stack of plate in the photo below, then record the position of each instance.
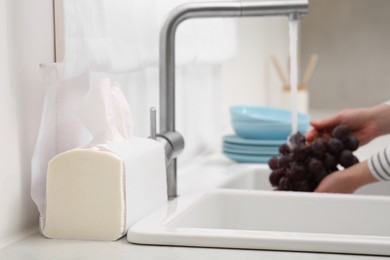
(259, 132)
(250, 150)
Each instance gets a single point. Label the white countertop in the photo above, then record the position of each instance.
(40, 248)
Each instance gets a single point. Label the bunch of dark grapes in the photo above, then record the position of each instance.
(301, 165)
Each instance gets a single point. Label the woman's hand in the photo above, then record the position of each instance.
(348, 180)
(364, 123)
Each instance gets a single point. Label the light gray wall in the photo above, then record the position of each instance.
(352, 38)
(26, 39)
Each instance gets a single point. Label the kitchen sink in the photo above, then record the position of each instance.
(238, 209)
(260, 219)
(256, 178)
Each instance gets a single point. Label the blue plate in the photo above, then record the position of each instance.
(246, 149)
(242, 158)
(260, 131)
(234, 139)
(249, 152)
(268, 114)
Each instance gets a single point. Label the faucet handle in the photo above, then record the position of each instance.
(153, 123)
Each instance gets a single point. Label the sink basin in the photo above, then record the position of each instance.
(256, 178)
(293, 221)
(251, 179)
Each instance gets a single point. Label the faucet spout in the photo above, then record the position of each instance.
(245, 8)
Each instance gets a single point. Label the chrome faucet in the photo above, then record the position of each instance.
(173, 140)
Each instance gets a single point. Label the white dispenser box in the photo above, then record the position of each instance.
(97, 189)
(96, 193)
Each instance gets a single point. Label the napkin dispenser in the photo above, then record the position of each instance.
(97, 191)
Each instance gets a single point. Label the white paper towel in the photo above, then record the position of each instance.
(106, 114)
(146, 186)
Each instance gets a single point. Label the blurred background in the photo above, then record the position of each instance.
(351, 38)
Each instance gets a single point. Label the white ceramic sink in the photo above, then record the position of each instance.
(271, 220)
(257, 179)
(253, 179)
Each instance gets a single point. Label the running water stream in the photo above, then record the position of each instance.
(293, 31)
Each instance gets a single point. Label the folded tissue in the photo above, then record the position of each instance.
(96, 192)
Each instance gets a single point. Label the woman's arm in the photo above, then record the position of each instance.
(348, 180)
(381, 116)
(379, 165)
(364, 123)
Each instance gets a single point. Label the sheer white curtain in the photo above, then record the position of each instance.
(122, 36)
(119, 39)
